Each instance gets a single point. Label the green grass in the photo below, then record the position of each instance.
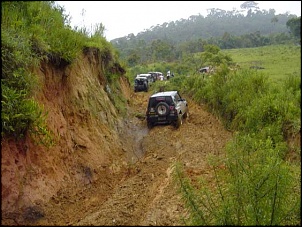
(277, 60)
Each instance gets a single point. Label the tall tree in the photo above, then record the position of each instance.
(249, 5)
(294, 25)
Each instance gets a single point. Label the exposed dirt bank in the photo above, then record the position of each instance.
(142, 191)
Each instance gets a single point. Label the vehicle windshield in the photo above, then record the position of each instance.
(139, 81)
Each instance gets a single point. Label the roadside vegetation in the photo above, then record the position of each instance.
(32, 33)
(260, 184)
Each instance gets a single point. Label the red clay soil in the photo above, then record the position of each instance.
(104, 169)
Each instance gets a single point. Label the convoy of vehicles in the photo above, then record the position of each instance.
(164, 107)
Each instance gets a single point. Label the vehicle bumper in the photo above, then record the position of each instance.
(159, 119)
(140, 88)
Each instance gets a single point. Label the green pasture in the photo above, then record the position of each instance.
(276, 61)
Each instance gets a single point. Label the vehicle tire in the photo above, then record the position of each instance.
(162, 109)
(186, 115)
(150, 125)
(178, 122)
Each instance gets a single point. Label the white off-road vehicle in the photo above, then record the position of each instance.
(166, 108)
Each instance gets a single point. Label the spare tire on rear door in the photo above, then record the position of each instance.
(162, 109)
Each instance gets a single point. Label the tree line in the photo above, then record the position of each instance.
(225, 29)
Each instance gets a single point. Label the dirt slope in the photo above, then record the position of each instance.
(143, 193)
(104, 169)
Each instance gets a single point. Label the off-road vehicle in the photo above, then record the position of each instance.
(141, 84)
(166, 108)
(147, 76)
(155, 75)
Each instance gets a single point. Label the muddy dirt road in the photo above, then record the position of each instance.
(142, 192)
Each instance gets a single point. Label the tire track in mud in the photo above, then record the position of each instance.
(142, 192)
(148, 196)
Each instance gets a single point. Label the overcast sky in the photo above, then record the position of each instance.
(121, 18)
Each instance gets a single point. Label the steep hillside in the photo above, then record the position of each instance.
(87, 127)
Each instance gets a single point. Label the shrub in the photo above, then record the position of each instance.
(256, 188)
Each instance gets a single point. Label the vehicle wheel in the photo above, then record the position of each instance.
(186, 115)
(162, 109)
(149, 124)
(178, 123)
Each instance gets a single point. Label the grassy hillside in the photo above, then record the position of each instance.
(277, 60)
